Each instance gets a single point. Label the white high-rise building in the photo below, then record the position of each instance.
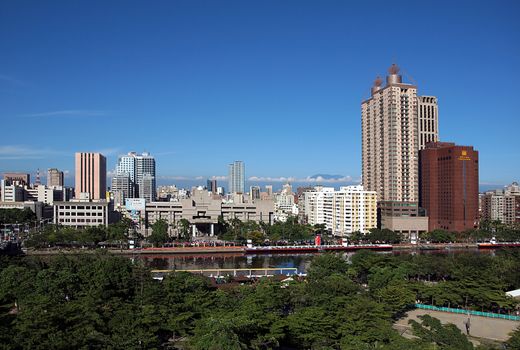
(284, 204)
(316, 203)
(145, 171)
(343, 212)
(126, 165)
(136, 167)
(236, 176)
(353, 210)
(389, 140)
(428, 123)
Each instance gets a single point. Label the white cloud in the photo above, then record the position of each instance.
(111, 173)
(292, 179)
(178, 178)
(307, 179)
(69, 113)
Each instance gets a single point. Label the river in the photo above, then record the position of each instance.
(243, 261)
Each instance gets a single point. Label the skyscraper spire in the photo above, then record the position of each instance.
(393, 76)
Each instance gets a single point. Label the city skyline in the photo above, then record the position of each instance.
(283, 81)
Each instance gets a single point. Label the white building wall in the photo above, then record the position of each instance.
(81, 214)
(343, 212)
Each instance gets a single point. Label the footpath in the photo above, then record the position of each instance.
(481, 327)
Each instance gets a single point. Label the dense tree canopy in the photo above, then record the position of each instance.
(16, 216)
(159, 232)
(514, 342)
(290, 231)
(102, 301)
(57, 235)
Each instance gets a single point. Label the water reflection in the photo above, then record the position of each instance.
(237, 260)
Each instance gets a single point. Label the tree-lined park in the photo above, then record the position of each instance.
(103, 301)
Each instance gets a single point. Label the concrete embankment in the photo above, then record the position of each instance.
(435, 246)
(148, 251)
(201, 249)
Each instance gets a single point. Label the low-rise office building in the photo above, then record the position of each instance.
(11, 192)
(202, 211)
(502, 205)
(406, 218)
(81, 214)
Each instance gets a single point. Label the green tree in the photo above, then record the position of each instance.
(311, 328)
(326, 265)
(119, 231)
(159, 232)
(215, 333)
(256, 236)
(319, 228)
(446, 337)
(17, 216)
(396, 297)
(188, 297)
(382, 236)
(184, 229)
(439, 236)
(363, 323)
(513, 343)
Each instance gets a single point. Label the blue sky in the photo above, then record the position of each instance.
(277, 84)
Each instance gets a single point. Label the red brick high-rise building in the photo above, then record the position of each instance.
(449, 186)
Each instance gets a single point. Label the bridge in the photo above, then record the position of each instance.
(249, 273)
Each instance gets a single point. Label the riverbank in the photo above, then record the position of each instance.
(434, 246)
(146, 251)
(207, 249)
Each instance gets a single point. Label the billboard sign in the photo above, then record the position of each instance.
(135, 204)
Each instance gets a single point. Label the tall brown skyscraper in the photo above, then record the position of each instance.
(449, 186)
(91, 175)
(395, 124)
